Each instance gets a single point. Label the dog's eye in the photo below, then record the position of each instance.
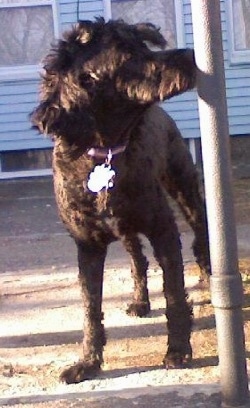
(94, 75)
(87, 80)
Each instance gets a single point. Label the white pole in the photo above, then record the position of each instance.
(226, 284)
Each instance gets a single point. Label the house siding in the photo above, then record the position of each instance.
(18, 98)
(88, 10)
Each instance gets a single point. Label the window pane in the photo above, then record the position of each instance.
(26, 34)
(159, 12)
(241, 22)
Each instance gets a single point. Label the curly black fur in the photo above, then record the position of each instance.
(98, 91)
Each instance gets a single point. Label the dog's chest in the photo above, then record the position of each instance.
(106, 212)
(87, 215)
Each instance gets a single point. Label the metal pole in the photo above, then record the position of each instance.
(226, 284)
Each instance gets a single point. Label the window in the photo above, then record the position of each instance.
(239, 30)
(163, 13)
(27, 30)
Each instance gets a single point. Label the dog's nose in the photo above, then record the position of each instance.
(187, 54)
(190, 53)
(188, 59)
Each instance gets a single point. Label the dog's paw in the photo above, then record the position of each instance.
(79, 372)
(175, 359)
(139, 309)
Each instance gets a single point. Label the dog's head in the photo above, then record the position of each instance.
(104, 69)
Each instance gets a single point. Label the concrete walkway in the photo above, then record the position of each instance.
(195, 396)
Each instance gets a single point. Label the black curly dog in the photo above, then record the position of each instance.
(116, 156)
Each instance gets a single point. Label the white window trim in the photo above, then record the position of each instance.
(28, 71)
(107, 13)
(235, 56)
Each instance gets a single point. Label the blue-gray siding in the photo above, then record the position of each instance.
(18, 98)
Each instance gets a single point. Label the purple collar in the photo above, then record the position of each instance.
(104, 152)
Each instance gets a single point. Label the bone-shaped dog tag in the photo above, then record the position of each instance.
(102, 176)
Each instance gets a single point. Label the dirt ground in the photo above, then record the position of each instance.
(41, 316)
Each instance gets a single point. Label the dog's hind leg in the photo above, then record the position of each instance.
(139, 266)
(91, 264)
(182, 183)
(164, 238)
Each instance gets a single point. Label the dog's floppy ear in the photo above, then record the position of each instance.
(60, 93)
(63, 109)
(58, 116)
(64, 103)
(74, 127)
(45, 118)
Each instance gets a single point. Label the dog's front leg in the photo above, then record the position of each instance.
(91, 263)
(139, 266)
